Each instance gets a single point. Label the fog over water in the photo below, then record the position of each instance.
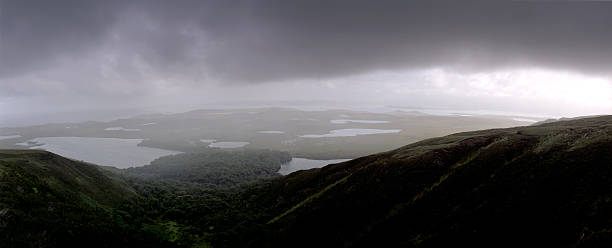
(9, 137)
(351, 132)
(228, 144)
(357, 121)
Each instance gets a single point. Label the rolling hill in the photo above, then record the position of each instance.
(548, 185)
(50, 201)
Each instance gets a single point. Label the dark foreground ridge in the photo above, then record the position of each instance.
(548, 185)
(50, 201)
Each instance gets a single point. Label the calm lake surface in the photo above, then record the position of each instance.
(351, 132)
(271, 132)
(120, 153)
(228, 144)
(344, 121)
(9, 137)
(297, 164)
(121, 129)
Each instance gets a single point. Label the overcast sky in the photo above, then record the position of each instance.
(549, 58)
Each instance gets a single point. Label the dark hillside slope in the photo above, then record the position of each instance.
(548, 185)
(50, 201)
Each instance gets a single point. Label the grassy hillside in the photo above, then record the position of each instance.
(548, 185)
(50, 201)
(61, 175)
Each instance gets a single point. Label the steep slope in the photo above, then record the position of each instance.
(548, 185)
(50, 201)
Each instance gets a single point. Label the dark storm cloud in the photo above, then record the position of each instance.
(260, 41)
(333, 38)
(34, 33)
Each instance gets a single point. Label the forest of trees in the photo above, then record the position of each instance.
(214, 168)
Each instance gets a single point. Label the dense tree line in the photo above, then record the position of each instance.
(195, 199)
(214, 168)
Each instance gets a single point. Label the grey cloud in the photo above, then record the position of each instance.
(34, 34)
(334, 38)
(261, 41)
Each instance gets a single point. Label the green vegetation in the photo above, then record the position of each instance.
(50, 201)
(180, 200)
(214, 168)
(194, 198)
